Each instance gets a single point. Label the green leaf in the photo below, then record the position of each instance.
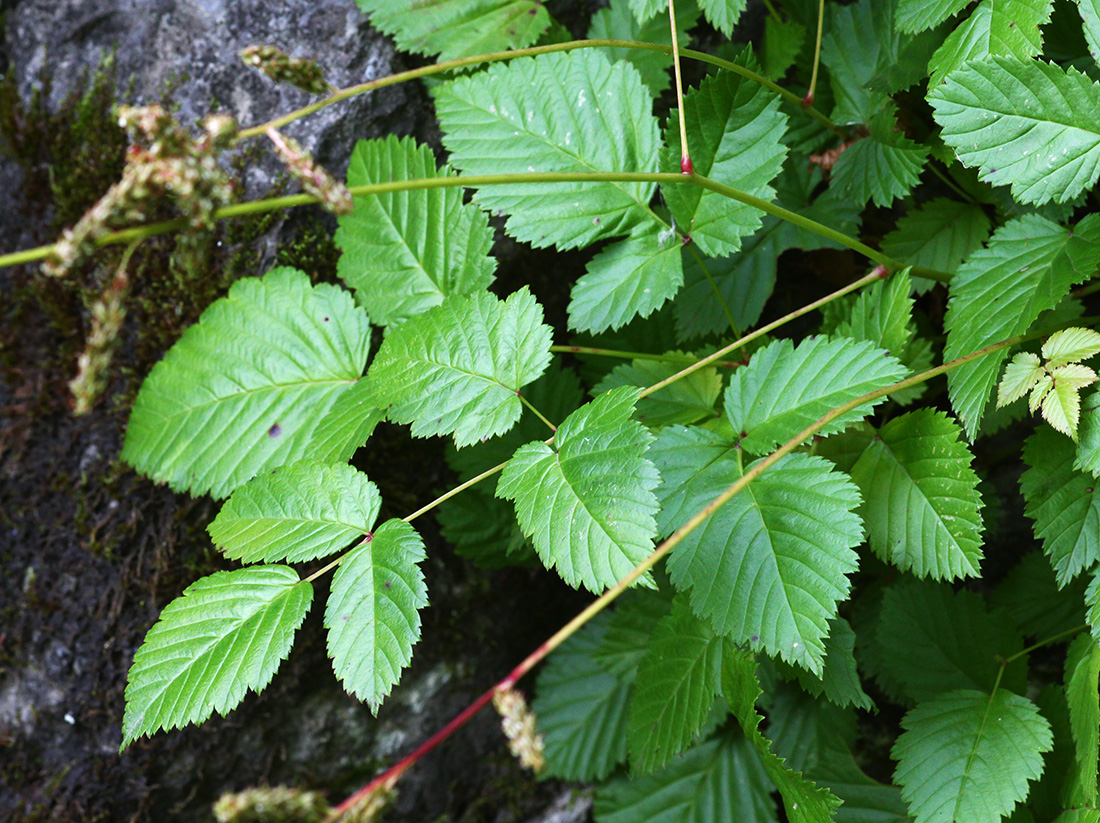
(735, 132)
(1030, 594)
(372, 615)
(645, 9)
(913, 16)
(617, 22)
(1090, 16)
(1082, 676)
(883, 315)
(1071, 346)
(226, 634)
(1088, 451)
(252, 386)
(967, 755)
(783, 40)
(770, 566)
(404, 251)
(1023, 124)
(458, 368)
(581, 709)
(1011, 28)
(839, 681)
(631, 278)
(939, 235)
(717, 781)
(678, 679)
(1092, 603)
(931, 640)
(920, 498)
(1020, 377)
(1064, 504)
(859, 42)
(723, 14)
(1028, 267)
(458, 28)
(864, 800)
(560, 112)
(785, 388)
(588, 504)
(299, 512)
(1062, 405)
(882, 167)
(687, 400)
(637, 614)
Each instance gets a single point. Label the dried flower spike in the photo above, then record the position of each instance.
(519, 725)
(271, 805)
(282, 68)
(108, 313)
(334, 196)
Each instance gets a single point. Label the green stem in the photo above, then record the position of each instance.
(1054, 638)
(667, 357)
(536, 412)
(772, 11)
(809, 98)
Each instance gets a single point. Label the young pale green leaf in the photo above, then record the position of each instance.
(252, 386)
(770, 566)
(373, 612)
(720, 780)
(685, 401)
(226, 634)
(1023, 123)
(404, 251)
(735, 132)
(1030, 595)
(931, 640)
(631, 278)
(581, 709)
(296, 513)
(804, 801)
(677, 681)
(1021, 375)
(588, 504)
(939, 235)
(1082, 676)
(785, 388)
(1063, 503)
(559, 112)
(996, 27)
(1028, 267)
(723, 14)
(839, 681)
(920, 498)
(458, 28)
(1090, 16)
(458, 368)
(1071, 346)
(917, 15)
(968, 755)
(1062, 404)
(882, 167)
(617, 22)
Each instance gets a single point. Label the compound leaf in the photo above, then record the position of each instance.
(404, 251)
(372, 615)
(588, 504)
(458, 28)
(558, 112)
(723, 14)
(1024, 124)
(883, 315)
(1063, 503)
(226, 634)
(968, 755)
(458, 368)
(1071, 346)
(252, 386)
(735, 132)
(296, 513)
(996, 27)
(785, 388)
(1090, 16)
(920, 498)
(1021, 375)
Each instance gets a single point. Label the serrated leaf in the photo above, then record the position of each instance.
(913, 16)
(581, 709)
(687, 400)
(719, 780)
(1022, 124)
(920, 498)
(723, 14)
(1063, 503)
(1088, 450)
(1062, 406)
(372, 615)
(1039, 392)
(588, 504)
(939, 235)
(1030, 594)
(783, 40)
(859, 41)
(882, 167)
(1071, 346)
(735, 132)
(685, 458)
(458, 28)
(1092, 604)
(785, 388)
(523, 105)
(404, 251)
(645, 9)
(1028, 267)
(996, 27)
(1090, 16)
(678, 679)
(770, 566)
(839, 681)
(883, 315)
(252, 386)
(617, 22)
(1082, 675)
(804, 730)
(931, 640)
(457, 368)
(1020, 377)
(299, 512)
(865, 800)
(627, 279)
(225, 635)
(636, 616)
(967, 755)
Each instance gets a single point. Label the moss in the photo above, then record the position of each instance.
(312, 249)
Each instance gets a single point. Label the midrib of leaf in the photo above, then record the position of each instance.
(580, 499)
(268, 387)
(974, 745)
